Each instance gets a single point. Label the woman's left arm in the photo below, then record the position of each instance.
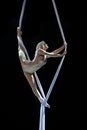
(58, 50)
(64, 46)
(48, 54)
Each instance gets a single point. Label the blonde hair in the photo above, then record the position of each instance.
(40, 44)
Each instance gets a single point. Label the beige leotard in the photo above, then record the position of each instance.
(29, 67)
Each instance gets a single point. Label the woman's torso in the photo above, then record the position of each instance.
(34, 65)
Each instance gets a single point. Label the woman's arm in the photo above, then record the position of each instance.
(48, 54)
(64, 46)
(62, 54)
(58, 50)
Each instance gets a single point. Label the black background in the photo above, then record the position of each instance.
(39, 23)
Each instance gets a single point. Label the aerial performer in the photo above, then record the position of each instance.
(39, 60)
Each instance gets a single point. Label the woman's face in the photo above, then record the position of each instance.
(45, 46)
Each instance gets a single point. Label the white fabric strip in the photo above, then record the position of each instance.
(22, 13)
(58, 20)
(42, 108)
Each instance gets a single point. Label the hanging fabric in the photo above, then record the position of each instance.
(42, 108)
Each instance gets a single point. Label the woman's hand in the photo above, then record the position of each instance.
(64, 53)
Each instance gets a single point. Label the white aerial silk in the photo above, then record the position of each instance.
(42, 108)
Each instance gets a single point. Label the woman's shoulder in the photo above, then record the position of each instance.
(39, 50)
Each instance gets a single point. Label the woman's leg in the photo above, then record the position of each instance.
(31, 81)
